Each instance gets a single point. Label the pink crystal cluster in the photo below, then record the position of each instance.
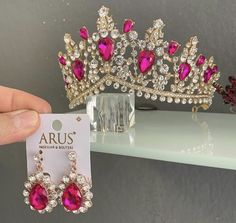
(229, 92)
(71, 198)
(145, 58)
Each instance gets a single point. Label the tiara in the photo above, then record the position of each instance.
(152, 67)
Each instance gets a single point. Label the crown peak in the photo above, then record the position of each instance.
(158, 24)
(103, 11)
(67, 38)
(194, 40)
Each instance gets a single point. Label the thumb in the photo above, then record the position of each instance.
(16, 126)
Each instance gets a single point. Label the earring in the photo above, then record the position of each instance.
(40, 193)
(74, 191)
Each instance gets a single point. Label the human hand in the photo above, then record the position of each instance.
(19, 114)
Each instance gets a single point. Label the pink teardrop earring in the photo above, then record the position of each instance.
(40, 193)
(74, 191)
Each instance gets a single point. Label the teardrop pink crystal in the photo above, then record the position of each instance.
(146, 59)
(38, 198)
(83, 32)
(128, 25)
(106, 48)
(62, 60)
(173, 47)
(78, 69)
(215, 69)
(200, 60)
(209, 72)
(184, 70)
(71, 197)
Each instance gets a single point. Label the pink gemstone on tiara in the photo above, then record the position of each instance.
(128, 25)
(78, 69)
(62, 60)
(72, 198)
(146, 59)
(215, 69)
(173, 47)
(38, 198)
(200, 60)
(209, 72)
(106, 48)
(184, 70)
(83, 32)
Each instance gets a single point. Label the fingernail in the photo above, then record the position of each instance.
(26, 119)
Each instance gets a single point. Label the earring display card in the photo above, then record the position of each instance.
(58, 135)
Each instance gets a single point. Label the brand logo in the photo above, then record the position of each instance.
(57, 138)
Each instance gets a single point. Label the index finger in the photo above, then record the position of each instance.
(13, 99)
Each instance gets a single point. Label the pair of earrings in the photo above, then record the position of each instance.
(42, 195)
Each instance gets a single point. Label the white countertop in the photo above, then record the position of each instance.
(206, 139)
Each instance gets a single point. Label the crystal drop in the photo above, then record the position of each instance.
(184, 70)
(38, 198)
(177, 100)
(139, 93)
(84, 34)
(116, 85)
(169, 99)
(162, 98)
(72, 197)
(147, 95)
(78, 69)
(154, 97)
(106, 48)
(62, 60)
(173, 47)
(146, 59)
(128, 25)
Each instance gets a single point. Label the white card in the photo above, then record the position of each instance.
(57, 135)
